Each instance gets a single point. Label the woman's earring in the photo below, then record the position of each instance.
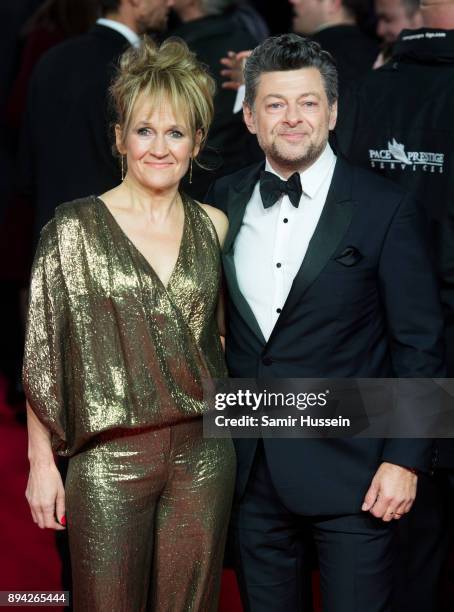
(190, 172)
(122, 168)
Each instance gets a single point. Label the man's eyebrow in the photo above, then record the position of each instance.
(304, 95)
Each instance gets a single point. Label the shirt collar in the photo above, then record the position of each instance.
(131, 36)
(313, 178)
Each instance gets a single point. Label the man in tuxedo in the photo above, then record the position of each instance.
(66, 144)
(329, 276)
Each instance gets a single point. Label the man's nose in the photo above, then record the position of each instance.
(292, 114)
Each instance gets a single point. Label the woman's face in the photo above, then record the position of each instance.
(158, 145)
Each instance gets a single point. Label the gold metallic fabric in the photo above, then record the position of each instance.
(108, 345)
(147, 516)
(114, 364)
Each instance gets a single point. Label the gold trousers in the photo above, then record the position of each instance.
(147, 515)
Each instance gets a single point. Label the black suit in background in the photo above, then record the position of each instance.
(229, 145)
(379, 317)
(66, 145)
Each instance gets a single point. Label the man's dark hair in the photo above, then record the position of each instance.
(289, 52)
(109, 6)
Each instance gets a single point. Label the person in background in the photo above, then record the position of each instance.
(335, 25)
(246, 13)
(68, 90)
(51, 24)
(124, 326)
(402, 129)
(393, 16)
(210, 29)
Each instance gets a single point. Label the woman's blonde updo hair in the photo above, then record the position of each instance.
(166, 73)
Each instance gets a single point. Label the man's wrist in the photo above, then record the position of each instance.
(411, 469)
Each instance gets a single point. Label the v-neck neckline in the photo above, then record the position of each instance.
(138, 252)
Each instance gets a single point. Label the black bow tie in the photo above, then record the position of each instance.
(272, 187)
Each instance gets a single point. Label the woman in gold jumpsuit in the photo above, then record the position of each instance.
(122, 331)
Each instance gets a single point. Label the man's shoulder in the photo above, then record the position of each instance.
(91, 48)
(237, 178)
(364, 177)
(368, 186)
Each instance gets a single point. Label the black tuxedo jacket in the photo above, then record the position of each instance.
(363, 304)
(67, 138)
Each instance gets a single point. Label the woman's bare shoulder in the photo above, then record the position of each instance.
(218, 218)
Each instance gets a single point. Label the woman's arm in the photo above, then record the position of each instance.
(221, 224)
(42, 382)
(45, 492)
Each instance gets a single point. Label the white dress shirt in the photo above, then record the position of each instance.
(272, 242)
(131, 36)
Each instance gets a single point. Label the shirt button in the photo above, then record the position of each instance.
(286, 220)
(278, 265)
(267, 361)
(278, 310)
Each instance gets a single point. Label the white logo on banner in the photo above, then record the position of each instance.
(395, 157)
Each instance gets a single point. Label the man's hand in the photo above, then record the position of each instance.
(233, 72)
(391, 493)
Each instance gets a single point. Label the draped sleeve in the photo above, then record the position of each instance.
(43, 367)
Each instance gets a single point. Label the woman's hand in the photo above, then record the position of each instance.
(46, 496)
(45, 492)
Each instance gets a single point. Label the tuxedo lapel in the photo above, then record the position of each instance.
(238, 298)
(237, 200)
(331, 228)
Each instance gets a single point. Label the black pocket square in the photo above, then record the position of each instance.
(349, 256)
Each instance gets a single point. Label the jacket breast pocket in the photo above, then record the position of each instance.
(353, 286)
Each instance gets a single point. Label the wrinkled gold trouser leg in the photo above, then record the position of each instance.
(147, 519)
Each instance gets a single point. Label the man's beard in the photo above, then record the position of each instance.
(295, 164)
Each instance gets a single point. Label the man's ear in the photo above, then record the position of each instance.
(333, 115)
(249, 119)
(119, 140)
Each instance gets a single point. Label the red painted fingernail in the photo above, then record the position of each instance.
(63, 520)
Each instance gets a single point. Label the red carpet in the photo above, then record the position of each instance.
(28, 558)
